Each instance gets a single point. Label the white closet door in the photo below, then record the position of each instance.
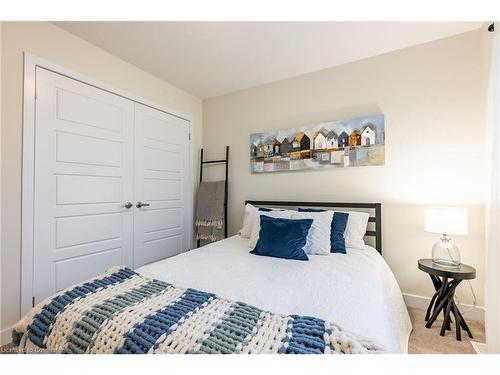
(161, 225)
(83, 177)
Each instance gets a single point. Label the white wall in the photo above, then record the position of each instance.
(433, 97)
(52, 43)
(3, 334)
(492, 279)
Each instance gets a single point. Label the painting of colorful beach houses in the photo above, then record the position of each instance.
(336, 144)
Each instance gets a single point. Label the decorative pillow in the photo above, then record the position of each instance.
(248, 219)
(254, 235)
(357, 223)
(337, 229)
(250, 216)
(318, 239)
(282, 238)
(356, 229)
(337, 238)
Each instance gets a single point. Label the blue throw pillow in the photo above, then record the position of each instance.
(265, 209)
(282, 238)
(337, 239)
(337, 230)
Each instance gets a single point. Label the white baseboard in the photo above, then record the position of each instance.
(479, 347)
(5, 336)
(420, 302)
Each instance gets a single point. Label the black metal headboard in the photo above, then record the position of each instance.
(376, 219)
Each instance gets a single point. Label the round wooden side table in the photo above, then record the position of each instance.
(445, 281)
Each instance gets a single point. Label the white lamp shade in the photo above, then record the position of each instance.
(446, 220)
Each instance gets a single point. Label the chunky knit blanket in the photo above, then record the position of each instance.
(124, 312)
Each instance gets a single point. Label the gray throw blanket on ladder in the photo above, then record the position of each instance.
(209, 221)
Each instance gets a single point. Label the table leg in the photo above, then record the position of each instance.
(463, 323)
(429, 309)
(446, 292)
(458, 322)
(436, 281)
(439, 299)
(446, 321)
(443, 299)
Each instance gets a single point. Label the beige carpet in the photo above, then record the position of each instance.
(422, 340)
(428, 341)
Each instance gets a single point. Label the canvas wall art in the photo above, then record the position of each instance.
(336, 144)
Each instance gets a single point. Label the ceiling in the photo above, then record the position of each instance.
(209, 59)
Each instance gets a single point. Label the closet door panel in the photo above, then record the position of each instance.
(83, 177)
(87, 265)
(74, 149)
(161, 228)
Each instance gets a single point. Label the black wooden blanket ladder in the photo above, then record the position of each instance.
(226, 162)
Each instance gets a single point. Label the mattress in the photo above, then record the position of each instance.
(356, 290)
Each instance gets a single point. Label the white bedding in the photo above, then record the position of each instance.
(356, 290)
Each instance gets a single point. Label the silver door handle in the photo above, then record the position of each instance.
(140, 204)
(128, 205)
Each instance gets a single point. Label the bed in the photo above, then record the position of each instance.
(357, 291)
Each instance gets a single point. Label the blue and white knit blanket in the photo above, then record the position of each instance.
(124, 312)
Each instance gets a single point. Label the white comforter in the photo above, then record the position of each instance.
(357, 291)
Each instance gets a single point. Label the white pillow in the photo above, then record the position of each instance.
(254, 236)
(357, 222)
(318, 238)
(248, 219)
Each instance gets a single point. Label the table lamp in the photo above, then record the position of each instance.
(446, 221)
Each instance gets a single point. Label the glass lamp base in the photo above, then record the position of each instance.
(445, 253)
(445, 263)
